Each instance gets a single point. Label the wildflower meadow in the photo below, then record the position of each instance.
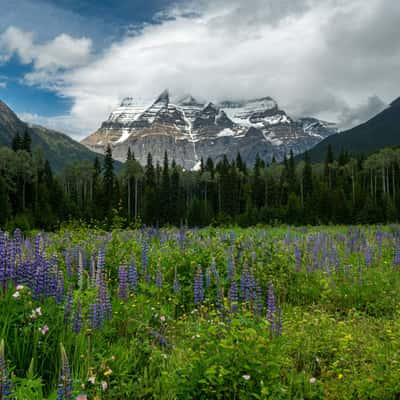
(258, 313)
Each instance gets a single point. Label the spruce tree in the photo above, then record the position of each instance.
(307, 177)
(26, 141)
(16, 143)
(108, 182)
(165, 204)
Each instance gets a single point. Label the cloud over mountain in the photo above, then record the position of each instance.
(316, 58)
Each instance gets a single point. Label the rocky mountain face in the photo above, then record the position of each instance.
(190, 130)
(58, 148)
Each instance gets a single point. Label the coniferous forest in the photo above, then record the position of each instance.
(342, 190)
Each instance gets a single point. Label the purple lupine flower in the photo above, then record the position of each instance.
(68, 305)
(316, 250)
(64, 387)
(368, 256)
(77, 321)
(271, 303)
(80, 271)
(258, 306)
(396, 258)
(214, 270)
(160, 338)
(60, 288)
(159, 277)
(5, 386)
(94, 321)
(230, 268)
(92, 270)
(123, 283)
(297, 256)
(181, 237)
(101, 259)
(220, 298)
(145, 259)
(132, 277)
(198, 289)
(38, 249)
(104, 301)
(233, 297)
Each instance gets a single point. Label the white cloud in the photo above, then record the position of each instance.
(67, 124)
(310, 55)
(63, 51)
(3, 85)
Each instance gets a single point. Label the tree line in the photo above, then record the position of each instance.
(345, 190)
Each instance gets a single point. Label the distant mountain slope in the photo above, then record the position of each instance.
(383, 130)
(57, 147)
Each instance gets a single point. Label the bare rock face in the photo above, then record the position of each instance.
(190, 130)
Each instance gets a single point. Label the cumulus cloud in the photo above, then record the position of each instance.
(316, 58)
(63, 51)
(67, 124)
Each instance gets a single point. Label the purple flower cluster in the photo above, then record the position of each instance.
(233, 297)
(123, 282)
(159, 277)
(5, 387)
(198, 289)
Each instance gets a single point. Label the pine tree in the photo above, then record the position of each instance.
(16, 142)
(291, 173)
(165, 204)
(26, 141)
(327, 165)
(210, 167)
(307, 177)
(150, 206)
(258, 185)
(175, 196)
(108, 182)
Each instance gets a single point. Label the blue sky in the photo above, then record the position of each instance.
(66, 64)
(100, 20)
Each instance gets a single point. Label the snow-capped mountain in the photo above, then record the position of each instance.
(190, 130)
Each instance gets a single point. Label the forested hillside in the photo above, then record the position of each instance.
(342, 190)
(57, 148)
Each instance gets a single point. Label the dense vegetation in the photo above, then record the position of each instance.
(342, 190)
(207, 314)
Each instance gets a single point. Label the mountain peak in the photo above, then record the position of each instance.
(163, 97)
(188, 100)
(127, 102)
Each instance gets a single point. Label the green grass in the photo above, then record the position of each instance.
(340, 318)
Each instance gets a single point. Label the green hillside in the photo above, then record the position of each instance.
(57, 147)
(381, 131)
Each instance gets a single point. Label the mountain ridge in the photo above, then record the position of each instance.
(58, 148)
(382, 130)
(190, 129)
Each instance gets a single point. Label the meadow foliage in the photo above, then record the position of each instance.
(277, 313)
